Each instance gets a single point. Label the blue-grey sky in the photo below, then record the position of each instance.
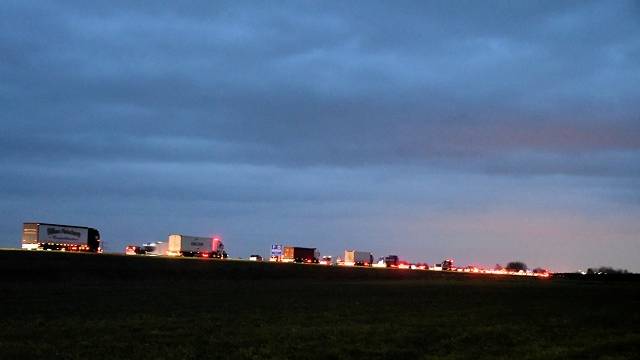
(482, 131)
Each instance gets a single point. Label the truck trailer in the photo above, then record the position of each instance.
(300, 255)
(357, 258)
(41, 236)
(184, 245)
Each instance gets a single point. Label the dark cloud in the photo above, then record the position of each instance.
(307, 87)
(342, 106)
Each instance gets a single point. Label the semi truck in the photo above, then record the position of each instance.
(300, 254)
(447, 265)
(184, 245)
(392, 261)
(357, 258)
(41, 236)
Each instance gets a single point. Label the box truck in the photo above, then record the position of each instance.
(41, 236)
(184, 245)
(357, 258)
(300, 254)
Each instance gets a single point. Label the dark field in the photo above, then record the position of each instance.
(56, 305)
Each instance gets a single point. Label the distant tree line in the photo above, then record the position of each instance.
(606, 270)
(516, 266)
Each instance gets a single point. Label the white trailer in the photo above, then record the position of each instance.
(184, 245)
(357, 258)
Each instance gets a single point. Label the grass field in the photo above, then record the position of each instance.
(80, 306)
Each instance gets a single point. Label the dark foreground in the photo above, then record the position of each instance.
(56, 305)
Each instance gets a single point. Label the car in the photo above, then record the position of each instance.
(326, 260)
(134, 250)
(255, 258)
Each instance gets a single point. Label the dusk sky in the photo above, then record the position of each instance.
(482, 131)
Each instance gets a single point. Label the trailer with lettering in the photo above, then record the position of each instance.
(43, 236)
